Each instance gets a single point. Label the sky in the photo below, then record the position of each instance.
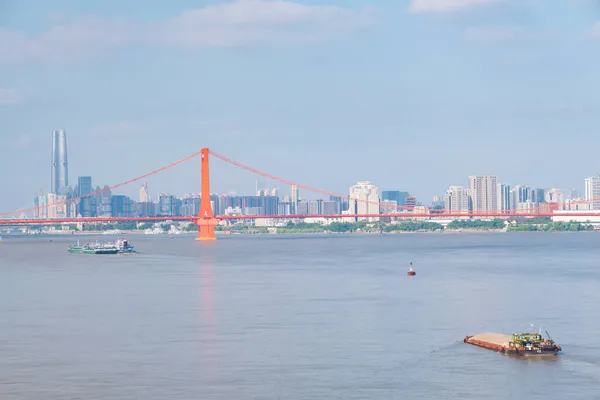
(412, 95)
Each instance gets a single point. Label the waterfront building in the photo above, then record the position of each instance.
(504, 197)
(364, 199)
(329, 207)
(388, 207)
(190, 205)
(592, 191)
(57, 207)
(122, 206)
(554, 195)
(86, 206)
(484, 193)
(302, 208)
(103, 202)
(456, 200)
(295, 198)
(410, 202)
(167, 205)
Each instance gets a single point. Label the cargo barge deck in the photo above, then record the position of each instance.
(521, 344)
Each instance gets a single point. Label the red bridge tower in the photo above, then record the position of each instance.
(206, 221)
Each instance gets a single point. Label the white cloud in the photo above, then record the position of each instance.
(10, 97)
(438, 6)
(236, 23)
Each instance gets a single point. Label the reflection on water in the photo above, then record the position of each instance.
(309, 317)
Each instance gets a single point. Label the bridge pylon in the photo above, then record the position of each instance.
(206, 221)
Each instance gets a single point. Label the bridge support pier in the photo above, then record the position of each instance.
(206, 221)
(206, 229)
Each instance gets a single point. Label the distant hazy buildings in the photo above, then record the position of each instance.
(592, 191)
(484, 193)
(60, 167)
(456, 200)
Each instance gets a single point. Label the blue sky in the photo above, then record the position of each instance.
(412, 95)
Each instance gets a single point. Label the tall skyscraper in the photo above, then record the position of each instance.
(592, 191)
(484, 193)
(60, 167)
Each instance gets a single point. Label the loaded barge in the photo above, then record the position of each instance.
(518, 344)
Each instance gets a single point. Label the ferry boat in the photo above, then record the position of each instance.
(518, 344)
(125, 247)
(89, 248)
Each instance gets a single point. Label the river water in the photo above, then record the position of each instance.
(298, 317)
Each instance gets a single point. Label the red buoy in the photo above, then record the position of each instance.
(411, 272)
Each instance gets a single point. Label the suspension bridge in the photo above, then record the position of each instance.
(206, 220)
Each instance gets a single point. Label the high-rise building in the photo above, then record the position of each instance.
(314, 207)
(86, 206)
(57, 207)
(538, 195)
(484, 193)
(122, 206)
(41, 204)
(302, 208)
(329, 207)
(167, 205)
(391, 195)
(294, 203)
(144, 196)
(341, 203)
(60, 167)
(103, 201)
(554, 195)
(592, 191)
(504, 196)
(364, 199)
(190, 205)
(519, 194)
(84, 186)
(456, 200)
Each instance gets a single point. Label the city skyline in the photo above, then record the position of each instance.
(484, 194)
(399, 93)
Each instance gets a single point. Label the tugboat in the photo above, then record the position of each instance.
(518, 344)
(125, 247)
(89, 248)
